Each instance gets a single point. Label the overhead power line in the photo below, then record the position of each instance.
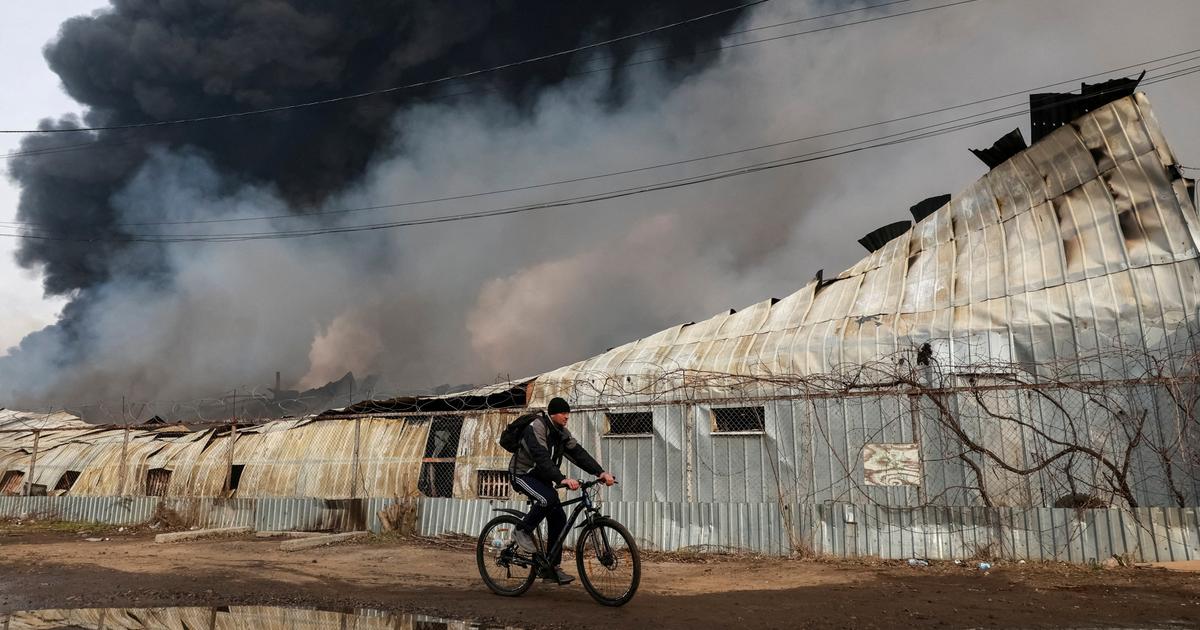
(822, 154)
(899, 138)
(651, 167)
(477, 73)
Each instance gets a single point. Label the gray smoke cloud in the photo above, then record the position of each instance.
(479, 300)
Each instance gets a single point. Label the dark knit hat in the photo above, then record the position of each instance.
(558, 405)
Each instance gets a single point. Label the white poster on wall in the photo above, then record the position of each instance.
(892, 465)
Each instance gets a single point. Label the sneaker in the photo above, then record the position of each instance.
(557, 575)
(524, 541)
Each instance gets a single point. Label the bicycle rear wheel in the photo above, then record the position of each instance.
(608, 562)
(504, 568)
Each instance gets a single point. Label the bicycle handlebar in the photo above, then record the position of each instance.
(583, 485)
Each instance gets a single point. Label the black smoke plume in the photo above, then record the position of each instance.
(144, 60)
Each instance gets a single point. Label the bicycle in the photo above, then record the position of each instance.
(606, 555)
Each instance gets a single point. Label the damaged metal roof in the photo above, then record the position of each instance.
(1083, 241)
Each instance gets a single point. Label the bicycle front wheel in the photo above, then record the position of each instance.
(504, 569)
(608, 562)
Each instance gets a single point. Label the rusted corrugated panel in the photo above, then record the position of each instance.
(1049, 243)
(479, 450)
(390, 457)
(288, 458)
(316, 459)
(96, 457)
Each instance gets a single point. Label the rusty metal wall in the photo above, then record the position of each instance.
(283, 458)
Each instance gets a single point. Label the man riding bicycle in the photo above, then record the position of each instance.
(534, 471)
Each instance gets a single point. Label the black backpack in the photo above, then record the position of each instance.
(510, 438)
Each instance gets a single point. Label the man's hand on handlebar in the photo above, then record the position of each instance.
(575, 484)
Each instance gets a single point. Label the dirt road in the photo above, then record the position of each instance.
(61, 570)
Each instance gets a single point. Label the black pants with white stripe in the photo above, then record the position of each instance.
(545, 506)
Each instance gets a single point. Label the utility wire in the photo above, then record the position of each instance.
(822, 29)
(788, 23)
(516, 64)
(651, 167)
(899, 138)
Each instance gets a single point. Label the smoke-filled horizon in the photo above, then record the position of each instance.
(482, 300)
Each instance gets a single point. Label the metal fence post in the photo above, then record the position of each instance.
(689, 449)
(354, 462)
(914, 410)
(37, 434)
(229, 462)
(123, 464)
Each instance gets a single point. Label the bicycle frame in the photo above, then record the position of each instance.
(583, 503)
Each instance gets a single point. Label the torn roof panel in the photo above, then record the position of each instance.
(1050, 110)
(1001, 150)
(507, 394)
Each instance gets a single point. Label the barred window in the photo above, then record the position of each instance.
(493, 484)
(10, 483)
(738, 419)
(157, 480)
(632, 423)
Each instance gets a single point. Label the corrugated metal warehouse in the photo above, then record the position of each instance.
(1017, 368)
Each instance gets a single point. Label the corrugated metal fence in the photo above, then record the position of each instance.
(265, 514)
(835, 529)
(848, 530)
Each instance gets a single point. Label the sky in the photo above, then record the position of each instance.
(24, 28)
(477, 301)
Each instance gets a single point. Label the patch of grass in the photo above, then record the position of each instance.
(54, 526)
(459, 542)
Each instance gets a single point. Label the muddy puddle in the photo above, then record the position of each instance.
(231, 618)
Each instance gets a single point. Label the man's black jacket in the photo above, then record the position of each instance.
(542, 448)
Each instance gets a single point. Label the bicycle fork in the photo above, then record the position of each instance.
(603, 554)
